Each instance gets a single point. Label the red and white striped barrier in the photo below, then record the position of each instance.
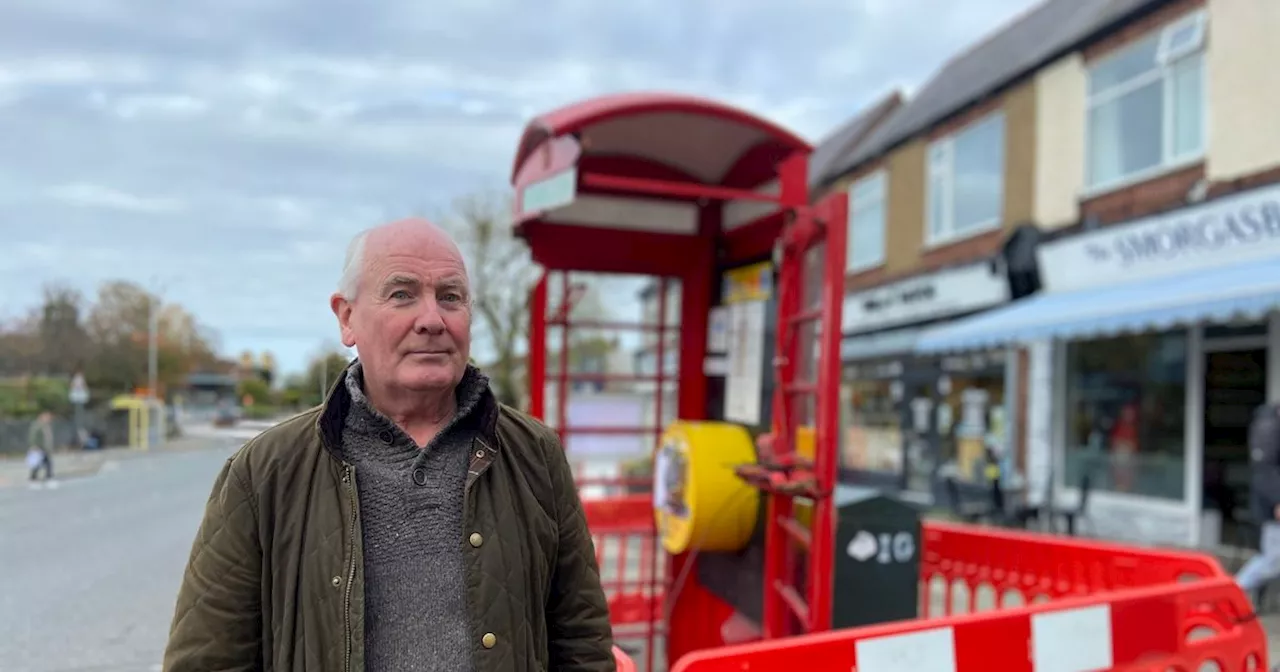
(1177, 626)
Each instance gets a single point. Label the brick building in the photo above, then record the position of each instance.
(1141, 139)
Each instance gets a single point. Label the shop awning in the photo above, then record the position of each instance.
(1244, 291)
(881, 344)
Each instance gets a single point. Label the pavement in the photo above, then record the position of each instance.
(80, 464)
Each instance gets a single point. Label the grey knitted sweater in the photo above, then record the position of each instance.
(411, 502)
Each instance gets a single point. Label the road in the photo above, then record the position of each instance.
(90, 569)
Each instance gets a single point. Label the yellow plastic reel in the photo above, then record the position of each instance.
(698, 500)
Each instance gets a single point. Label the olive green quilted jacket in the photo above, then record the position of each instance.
(275, 580)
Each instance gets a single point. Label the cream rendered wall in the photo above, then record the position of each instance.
(1060, 141)
(1242, 74)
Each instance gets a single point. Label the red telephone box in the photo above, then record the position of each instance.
(677, 187)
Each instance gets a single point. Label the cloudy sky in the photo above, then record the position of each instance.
(225, 150)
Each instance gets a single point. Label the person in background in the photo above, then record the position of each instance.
(1264, 498)
(40, 448)
(412, 522)
(1124, 448)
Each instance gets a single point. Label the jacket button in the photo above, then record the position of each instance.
(489, 640)
(385, 436)
(337, 581)
(476, 539)
(420, 476)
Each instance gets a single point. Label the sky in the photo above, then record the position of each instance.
(222, 152)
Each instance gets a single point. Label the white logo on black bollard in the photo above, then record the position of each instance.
(888, 548)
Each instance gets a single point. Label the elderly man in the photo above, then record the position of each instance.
(411, 522)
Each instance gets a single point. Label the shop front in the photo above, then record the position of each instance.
(1152, 344)
(908, 419)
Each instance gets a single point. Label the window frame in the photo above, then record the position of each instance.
(1167, 59)
(1070, 397)
(940, 161)
(860, 203)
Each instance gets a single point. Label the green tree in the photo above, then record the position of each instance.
(257, 390)
(64, 341)
(19, 347)
(119, 326)
(307, 389)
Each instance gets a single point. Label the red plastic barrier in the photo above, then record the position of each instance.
(631, 563)
(1170, 627)
(1023, 567)
(623, 660)
(1112, 606)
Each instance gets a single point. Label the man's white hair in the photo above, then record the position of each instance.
(353, 267)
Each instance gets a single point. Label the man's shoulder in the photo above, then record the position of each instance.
(285, 441)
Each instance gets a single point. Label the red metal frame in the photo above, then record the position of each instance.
(676, 190)
(570, 119)
(536, 362)
(625, 520)
(791, 548)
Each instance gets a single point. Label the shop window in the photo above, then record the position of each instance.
(872, 425)
(1146, 105)
(971, 423)
(1126, 419)
(966, 181)
(866, 223)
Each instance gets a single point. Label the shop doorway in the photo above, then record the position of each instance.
(1235, 385)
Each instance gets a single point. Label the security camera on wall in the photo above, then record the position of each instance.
(1198, 191)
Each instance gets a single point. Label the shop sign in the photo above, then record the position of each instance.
(1238, 228)
(942, 294)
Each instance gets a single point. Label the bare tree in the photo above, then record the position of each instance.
(502, 273)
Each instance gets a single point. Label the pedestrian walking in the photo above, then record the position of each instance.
(40, 448)
(412, 522)
(1264, 498)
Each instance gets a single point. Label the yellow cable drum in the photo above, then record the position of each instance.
(699, 503)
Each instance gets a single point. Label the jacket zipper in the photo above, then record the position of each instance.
(351, 563)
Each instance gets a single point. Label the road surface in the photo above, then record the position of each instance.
(90, 569)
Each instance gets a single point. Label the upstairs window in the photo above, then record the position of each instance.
(1146, 105)
(866, 223)
(966, 182)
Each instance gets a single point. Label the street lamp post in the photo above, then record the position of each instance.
(153, 348)
(155, 302)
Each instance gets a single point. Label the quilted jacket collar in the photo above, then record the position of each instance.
(333, 414)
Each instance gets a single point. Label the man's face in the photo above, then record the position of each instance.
(46, 417)
(411, 318)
